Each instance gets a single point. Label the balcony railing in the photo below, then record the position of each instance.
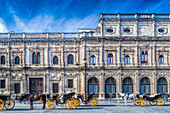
(136, 16)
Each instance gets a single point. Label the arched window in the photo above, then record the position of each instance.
(162, 85)
(161, 59)
(145, 85)
(110, 59)
(70, 59)
(55, 60)
(38, 58)
(92, 60)
(93, 86)
(128, 85)
(110, 87)
(144, 57)
(3, 60)
(127, 59)
(17, 60)
(34, 58)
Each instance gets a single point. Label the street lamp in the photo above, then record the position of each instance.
(93, 65)
(85, 62)
(77, 65)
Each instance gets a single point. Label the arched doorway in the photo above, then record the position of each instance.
(162, 85)
(93, 86)
(110, 87)
(145, 85)
(128, 85)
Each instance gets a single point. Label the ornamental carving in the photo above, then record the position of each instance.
(107, 75)
(3, 49)
(69, 43)
(17, 76)
(55, 43)
(111, 42)
(36, 73)
(70, 49)
(110, 48)
(71, 75)
(93, 42)
(2, 75)
(56, 77)
(95, 49)
(128, 50)
(131, 74)
(55, 51)
(145, 74)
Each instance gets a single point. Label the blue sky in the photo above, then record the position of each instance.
(68, 15)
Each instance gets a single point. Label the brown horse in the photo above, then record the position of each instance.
(33, 97)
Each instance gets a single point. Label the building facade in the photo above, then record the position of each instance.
(126, 53)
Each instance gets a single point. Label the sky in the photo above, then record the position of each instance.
(68, 15)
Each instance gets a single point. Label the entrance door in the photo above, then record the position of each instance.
(36, 85)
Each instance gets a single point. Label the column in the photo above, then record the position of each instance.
(154, 55)
(47, 85)
(154, 83)
(102, 86)
(82, 83)
(119, 84)
(137, 83)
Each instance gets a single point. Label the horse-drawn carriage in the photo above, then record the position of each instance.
(142, 99)
(70, 102)
(6, 101)
(57, 100)
(92, 101)
(155, 100)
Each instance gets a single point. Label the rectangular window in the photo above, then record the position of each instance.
(95, 89)
(113, 88)
(2, 83)
(90, 89)
(55, 87)
(17, 87)
(107, 88)
(70, 83)
(130, 89)
(147, 88)
(142, 89)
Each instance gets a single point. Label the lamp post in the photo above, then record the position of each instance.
(85, 62)
(77, 65)
(93, 65)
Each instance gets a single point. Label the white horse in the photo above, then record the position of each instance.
(127, 96)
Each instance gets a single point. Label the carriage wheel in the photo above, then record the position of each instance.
(76, 102)
(153, 103)
(93, 102)
(160, 101)
(9, 104)
(69, 103)
(50, 104)
(143, 102)
(1, 104)
(137, 102)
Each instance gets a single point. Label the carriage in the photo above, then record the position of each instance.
(70, 102)
(6, 101)
(156, 100)
(57, 100)
(92, 101)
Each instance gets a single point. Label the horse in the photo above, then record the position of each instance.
(33, 97)
(127, 96)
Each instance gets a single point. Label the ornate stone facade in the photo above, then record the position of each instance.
(120, 35)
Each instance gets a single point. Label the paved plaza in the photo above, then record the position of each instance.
(103, 107)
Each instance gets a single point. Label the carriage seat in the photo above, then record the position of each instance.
(69, 94)
(153, 98)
